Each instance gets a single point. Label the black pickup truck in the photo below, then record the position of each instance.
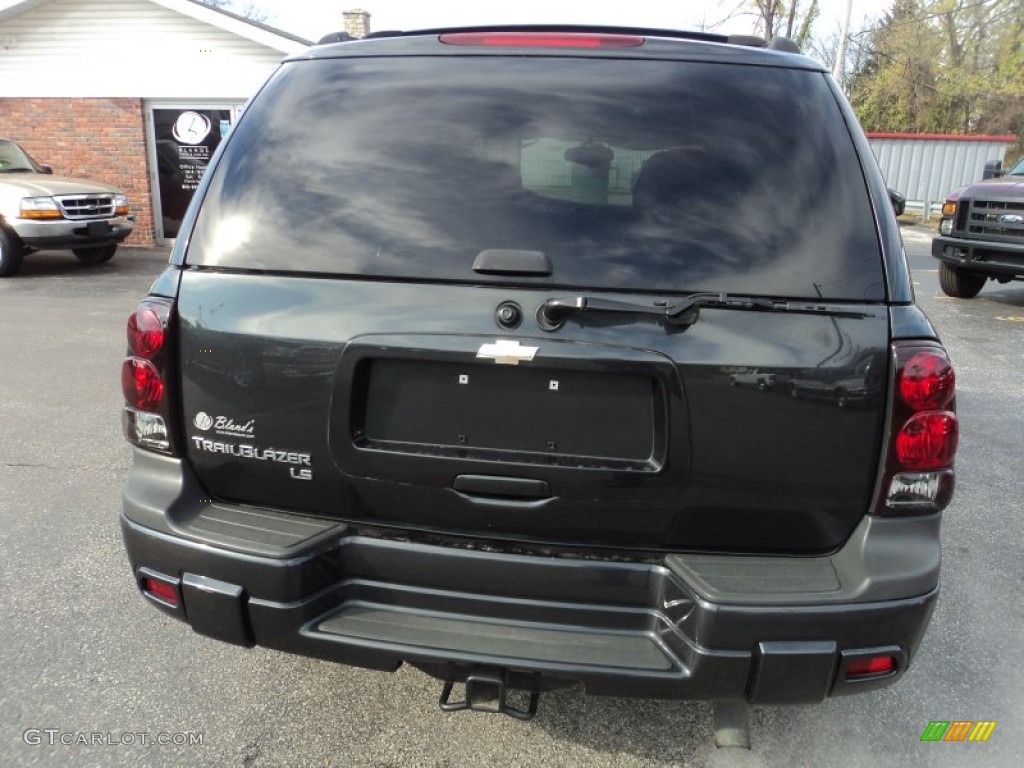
(981, 234)
(540, 356)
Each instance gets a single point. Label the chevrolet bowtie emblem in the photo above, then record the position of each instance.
(505, 352)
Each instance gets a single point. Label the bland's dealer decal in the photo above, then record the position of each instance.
(223, 425)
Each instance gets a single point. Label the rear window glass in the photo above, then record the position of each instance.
(628, 174)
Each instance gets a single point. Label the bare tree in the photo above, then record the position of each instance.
(824, 48)
(775, 18)
(768, 13)
(791, 19)
(250, 9)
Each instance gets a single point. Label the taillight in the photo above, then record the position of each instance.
(927, 381)
(542, 39)
(145, 377)
(924, 431)
(927, 440)
(145, 332)
(141, 384)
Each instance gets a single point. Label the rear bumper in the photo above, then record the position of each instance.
(669, 628)
(988, 257)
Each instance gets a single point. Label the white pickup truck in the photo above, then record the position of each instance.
(39, 210)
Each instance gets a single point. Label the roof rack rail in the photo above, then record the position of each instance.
(750, 41)
(784, 44)
(335, 37)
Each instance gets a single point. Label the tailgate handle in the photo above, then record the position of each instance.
(508, 487)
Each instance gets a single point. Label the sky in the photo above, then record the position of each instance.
(314, 18)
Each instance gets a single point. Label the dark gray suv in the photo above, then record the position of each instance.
(532, 357)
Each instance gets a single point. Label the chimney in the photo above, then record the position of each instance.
(357, 22)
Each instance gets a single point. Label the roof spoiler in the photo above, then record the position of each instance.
(783, 44)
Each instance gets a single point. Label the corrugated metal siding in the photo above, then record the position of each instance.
(126, 48)
(926, 170)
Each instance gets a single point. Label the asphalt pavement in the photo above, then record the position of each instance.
(84, 660)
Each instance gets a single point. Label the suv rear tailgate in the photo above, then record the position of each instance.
(750, 431)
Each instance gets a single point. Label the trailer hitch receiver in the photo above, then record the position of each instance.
(486, 691)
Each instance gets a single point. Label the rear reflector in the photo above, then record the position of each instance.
(541, 40)
(161, 590)
(870, 667)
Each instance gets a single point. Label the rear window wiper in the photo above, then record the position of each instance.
(681, 313)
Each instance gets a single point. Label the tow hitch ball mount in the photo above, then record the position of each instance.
(486, 691)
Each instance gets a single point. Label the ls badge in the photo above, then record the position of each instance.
(506, 352)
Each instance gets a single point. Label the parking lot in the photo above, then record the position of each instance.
(82, 654)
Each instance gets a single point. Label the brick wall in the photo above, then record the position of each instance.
(101, 139)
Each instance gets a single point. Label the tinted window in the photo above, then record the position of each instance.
(628, 174)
